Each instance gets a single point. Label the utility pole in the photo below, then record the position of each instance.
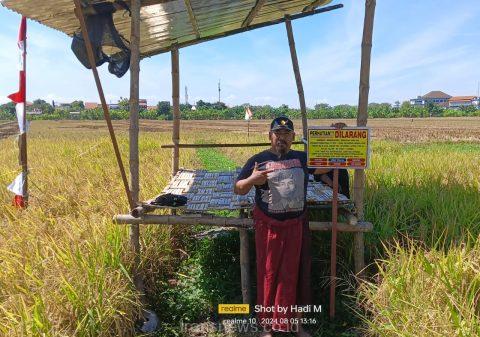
(219, 90)
(186, 95)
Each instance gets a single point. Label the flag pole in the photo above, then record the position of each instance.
(20, 186)
(23, 136)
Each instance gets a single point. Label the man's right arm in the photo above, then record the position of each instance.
(258, 177)
(243, 186)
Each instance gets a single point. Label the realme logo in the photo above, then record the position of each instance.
(233, 308)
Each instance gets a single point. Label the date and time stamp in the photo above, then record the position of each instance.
(270, 315)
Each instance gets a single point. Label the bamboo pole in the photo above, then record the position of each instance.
(333, 255)
(156, 219)
(253, 12)
(196, 146)
(298, 78)
(359, 176)
(133, 138)
(193, 20)
(106, 113)
(23, 136)
(176, 111)
(315, 4)
(244, 262)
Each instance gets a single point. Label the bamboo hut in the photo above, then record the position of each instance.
(159, 26)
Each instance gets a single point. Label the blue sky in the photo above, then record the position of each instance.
(418, 46)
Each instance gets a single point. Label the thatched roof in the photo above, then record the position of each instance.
(169, 22)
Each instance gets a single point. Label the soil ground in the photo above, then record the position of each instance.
(396, 129)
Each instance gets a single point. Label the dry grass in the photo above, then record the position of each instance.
(64, 263)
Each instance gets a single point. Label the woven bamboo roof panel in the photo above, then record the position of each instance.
(165, 23)
(206, 190)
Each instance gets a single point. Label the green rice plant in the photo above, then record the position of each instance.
(424, 292)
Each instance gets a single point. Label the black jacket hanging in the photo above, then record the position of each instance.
(102, 33)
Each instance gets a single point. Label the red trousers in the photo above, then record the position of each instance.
(283, 268)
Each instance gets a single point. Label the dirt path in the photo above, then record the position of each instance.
(397, 129)
(8, 129)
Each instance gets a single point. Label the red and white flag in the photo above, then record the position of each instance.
(248, 113)
(17, 186)
(20, 97)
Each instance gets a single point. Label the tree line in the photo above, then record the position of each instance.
(211, 111)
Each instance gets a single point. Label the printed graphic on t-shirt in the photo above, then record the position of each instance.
(286, 185)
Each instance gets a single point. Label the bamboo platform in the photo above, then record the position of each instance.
(212, 191)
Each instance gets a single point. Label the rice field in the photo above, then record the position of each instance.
(65, 265)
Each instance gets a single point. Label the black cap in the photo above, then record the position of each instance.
(281, 123)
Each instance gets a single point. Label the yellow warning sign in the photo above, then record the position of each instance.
(344, 148)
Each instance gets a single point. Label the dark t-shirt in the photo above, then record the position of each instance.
(283, 196)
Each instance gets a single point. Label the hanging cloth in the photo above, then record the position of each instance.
(102, 33)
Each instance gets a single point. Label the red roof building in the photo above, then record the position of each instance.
(91, 105)
(459, 101)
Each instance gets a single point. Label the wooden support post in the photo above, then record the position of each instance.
(176, 110)
(359, 176)
(244, 262)
(133, 138)
(333, 255)
(298, 78)
(106, 113)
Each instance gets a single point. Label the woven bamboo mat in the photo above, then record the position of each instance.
(206, 190)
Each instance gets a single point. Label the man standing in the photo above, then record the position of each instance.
(282, 236)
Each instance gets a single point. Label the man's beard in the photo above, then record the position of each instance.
(282, 148)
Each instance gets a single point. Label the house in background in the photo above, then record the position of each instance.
(463, 101)
(417, 101)
(61, 106)
(91, 105)
(435, 97)
(32, 111)
(142, 103)
(35, 112)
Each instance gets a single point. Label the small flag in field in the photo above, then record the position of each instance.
(20, 96)
(16, 187)
(248, 113)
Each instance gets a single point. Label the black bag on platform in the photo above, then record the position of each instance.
(102, 33)
(169, 199)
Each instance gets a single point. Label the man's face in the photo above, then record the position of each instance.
(286, 187)
(281, 140)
